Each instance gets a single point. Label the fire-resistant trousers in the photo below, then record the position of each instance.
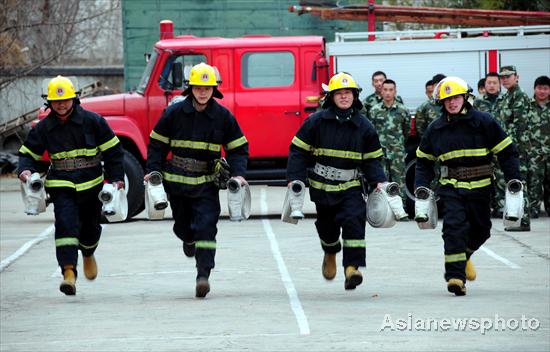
(77, 223)
(466, 226)
(348, 217)
(195, 220)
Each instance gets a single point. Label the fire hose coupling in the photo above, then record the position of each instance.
(294, 202)
(514, 186)
(34, 195)
(156, 199)
(513, 205)
(425, 208)
(392, 189)
(155, 178)
(115, 203)
(238, 199)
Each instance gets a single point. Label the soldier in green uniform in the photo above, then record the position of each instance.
(539, 173)
(427, 111)
(513, 111)
(487, 101)
(378, 79)
(481, 86)
(429, 89)
(391, 120)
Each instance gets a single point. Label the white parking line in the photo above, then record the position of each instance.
(43, 235)
(295, 303)
(499, 258)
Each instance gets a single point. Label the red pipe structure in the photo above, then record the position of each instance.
(432, 15)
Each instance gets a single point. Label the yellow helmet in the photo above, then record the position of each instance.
(204, 75)
(61, 88)
(342, 80)
(451, 86)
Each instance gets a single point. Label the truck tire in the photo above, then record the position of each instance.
(134, 184)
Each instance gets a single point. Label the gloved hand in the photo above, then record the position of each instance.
(221, 173)
(381, 185)
(24, 175)
(119, 184)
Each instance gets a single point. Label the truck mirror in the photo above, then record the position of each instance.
(147, 56)
(177, 74)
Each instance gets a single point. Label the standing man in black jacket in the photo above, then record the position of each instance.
(76, 141)
(195, 130)
(464, 141)
(340, 144)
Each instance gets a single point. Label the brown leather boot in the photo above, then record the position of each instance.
(329, 266)
(90, 267)
(68, 285)
(353, 278)
(456, 286)
(470, 271)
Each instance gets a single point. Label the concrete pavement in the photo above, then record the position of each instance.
(267, 290)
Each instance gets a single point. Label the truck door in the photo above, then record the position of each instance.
(267, 99)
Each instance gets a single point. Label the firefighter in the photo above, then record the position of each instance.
(76, 141)
(340, 144)
(464, 141)
(195, 130)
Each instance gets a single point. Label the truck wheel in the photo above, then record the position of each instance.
(134, 178)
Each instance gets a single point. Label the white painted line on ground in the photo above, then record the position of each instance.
(12, 258)
(285, 276)
(499, 258)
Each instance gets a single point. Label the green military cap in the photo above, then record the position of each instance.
(508, 70)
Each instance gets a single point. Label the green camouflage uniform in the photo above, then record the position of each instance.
(425, 114)
(487, 103)
(374, 99)
(513, 111)
(392, 125)
(539, 172)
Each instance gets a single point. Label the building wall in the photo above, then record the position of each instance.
(223, 18)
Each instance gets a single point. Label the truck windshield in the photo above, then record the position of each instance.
(147, 73)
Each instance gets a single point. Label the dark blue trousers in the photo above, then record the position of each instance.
(77, 223)
(195, 220)
(348, 218)
(466, 226)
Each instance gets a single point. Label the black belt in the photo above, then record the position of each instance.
(190, 164)
(76, 163)
(465, 172)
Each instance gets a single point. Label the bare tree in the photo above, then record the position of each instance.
(37, 33)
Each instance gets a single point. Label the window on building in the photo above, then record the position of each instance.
(267, 69)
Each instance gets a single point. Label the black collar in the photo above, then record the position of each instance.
(330, 114)
(443, 122)
(210, 111)
(52, 121)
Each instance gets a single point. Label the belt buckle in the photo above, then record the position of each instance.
(444, 171)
